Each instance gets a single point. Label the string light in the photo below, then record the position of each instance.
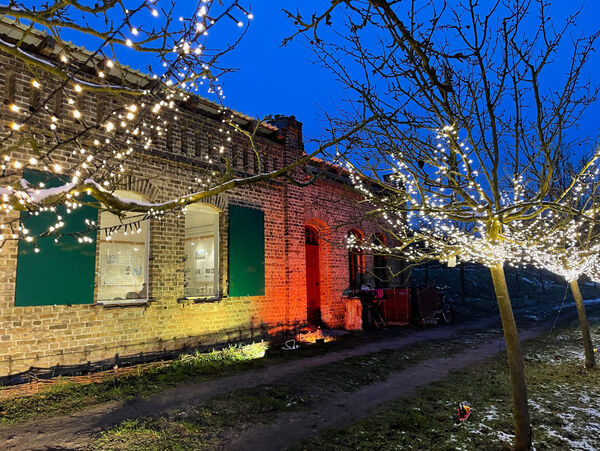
(126, 129)
(431, 221)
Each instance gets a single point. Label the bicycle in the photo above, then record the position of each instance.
(445, 312)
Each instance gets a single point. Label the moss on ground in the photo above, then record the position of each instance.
(68, 396)
(151, 434)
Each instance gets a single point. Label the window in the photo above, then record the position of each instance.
(123, 256)
(201, 251)
(355, 260)
(311, 236)
(380, 269)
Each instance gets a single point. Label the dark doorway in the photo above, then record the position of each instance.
(313, 291)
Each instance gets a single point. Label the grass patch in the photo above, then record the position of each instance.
(564, 406)
(205, 426)
(68, 396)
(156, 435)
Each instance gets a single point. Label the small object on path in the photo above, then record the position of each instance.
(464, 411)
(290, 345)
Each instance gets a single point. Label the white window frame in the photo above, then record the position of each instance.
(217, 251)
(133, 301)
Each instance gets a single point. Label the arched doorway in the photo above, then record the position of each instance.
(313, 277)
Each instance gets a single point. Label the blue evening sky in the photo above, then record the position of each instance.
(272, 79)
(282, 80)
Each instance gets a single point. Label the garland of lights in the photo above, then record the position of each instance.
(421, 209)
(104, 148)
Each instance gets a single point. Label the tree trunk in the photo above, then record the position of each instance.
(515, 360)
(590, 360)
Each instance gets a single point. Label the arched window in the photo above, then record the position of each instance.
(355, 260)
(311, 236)
(380, 269)
(123, 254)
(201, 251)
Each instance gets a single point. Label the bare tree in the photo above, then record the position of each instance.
(96, 151)
(567, 242)
(469, 128)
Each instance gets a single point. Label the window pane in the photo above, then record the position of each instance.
(201, 252)
(123, 262)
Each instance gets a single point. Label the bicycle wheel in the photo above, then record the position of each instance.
(447, 311)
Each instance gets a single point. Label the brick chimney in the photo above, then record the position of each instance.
(291, 135)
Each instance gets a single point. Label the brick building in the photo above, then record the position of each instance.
(256, 260)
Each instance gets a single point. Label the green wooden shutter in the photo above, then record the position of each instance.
(246, 251)
(63, 272)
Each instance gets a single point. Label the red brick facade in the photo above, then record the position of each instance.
(46, 336)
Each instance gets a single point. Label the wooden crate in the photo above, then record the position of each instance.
(396, 306)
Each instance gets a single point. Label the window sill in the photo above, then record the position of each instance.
(124, 303)
(199, 300)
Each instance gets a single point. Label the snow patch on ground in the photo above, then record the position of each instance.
(505, 438)
(537, 406)
(532, 282)
(581, 444)
(533, 317)
(492, 414)
(584, 398)
(578, 415)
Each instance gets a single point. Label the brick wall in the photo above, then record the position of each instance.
(59, 335)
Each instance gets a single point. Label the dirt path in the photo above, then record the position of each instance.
(291, 428)
(75, 431)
